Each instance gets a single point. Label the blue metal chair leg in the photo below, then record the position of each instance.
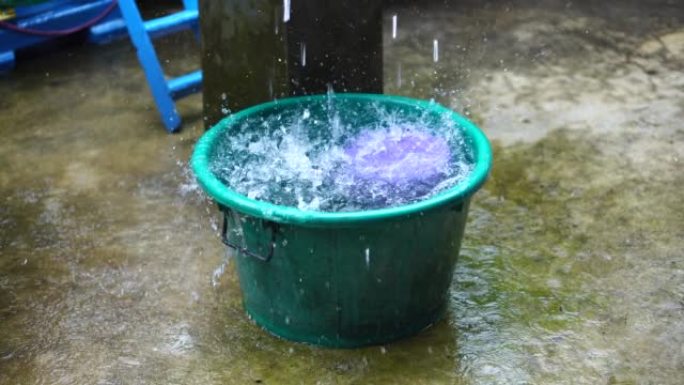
(148, 60)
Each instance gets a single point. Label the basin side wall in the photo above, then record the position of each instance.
(352, 286)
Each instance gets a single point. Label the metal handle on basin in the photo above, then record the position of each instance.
(267, 225)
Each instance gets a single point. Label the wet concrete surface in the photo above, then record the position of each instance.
(571, 272)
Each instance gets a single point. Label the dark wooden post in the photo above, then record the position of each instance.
(254, 50)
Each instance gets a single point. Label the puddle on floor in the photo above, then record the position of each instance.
(571, 270)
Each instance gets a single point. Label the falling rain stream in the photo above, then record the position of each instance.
(571, 271)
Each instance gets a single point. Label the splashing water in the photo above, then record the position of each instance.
(342, 155)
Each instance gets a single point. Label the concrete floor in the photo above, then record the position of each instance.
(571, 272)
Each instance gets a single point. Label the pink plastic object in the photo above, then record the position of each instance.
(398, 158)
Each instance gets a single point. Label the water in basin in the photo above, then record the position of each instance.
(323, 160)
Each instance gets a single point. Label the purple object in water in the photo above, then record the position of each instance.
(398, 157)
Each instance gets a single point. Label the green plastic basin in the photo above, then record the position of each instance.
(344, 279)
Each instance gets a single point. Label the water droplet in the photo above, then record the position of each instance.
(302, 53)
(435, 50)
(286, 10)
(394, 26)
(218, 272)
(276, 22)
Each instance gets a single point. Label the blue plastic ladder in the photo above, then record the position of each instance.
(165, 92)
